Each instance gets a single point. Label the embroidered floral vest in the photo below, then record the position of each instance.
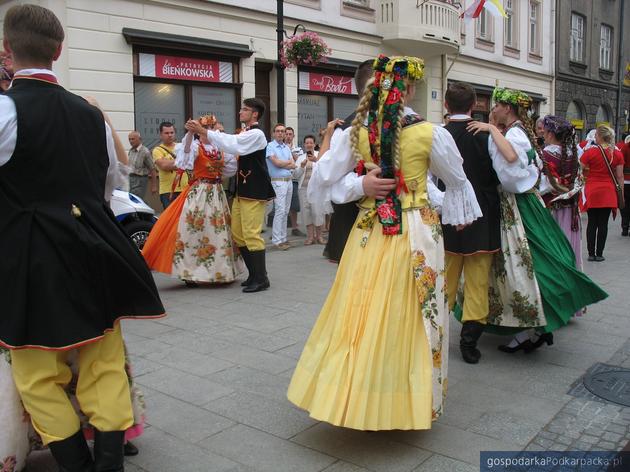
(209, 164)
(415, 148)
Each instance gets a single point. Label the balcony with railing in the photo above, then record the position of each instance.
(420, 27)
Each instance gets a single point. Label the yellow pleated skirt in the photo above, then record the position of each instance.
(367, 364)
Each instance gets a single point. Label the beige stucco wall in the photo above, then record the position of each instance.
(97, 61)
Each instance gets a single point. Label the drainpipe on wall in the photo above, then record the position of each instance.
(444, 81)
(620, 73)
(554, 55)
(279, 68)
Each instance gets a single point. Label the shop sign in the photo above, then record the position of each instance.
(184, 68)
(579, 124)
(327, 83)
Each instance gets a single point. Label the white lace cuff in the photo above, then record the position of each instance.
(460, 206)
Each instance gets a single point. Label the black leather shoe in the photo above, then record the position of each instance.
(108, 451)
(260, 281)
(600, 258)
(591, 258)
(245, 254)
(525, 345)
(72, 454)
(543, 338)
(471, 332)
(130, 449)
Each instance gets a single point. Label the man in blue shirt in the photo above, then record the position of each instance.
(280, 164)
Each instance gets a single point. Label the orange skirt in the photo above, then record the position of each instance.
(159, 247)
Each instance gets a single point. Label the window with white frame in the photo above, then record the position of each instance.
(484, 25)
(510, 23)
(534, 26)
(576, 52)
(605, 47)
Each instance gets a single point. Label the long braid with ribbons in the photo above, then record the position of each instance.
(384, 121)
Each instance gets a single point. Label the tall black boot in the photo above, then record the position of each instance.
(260, 281)
(471, 332)
(246, 255)
(108, 451)
(72, 454)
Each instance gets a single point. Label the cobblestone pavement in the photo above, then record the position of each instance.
(215, 374)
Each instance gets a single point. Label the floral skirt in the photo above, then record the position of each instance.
(534, 282)
(376, 358)
(192, 238)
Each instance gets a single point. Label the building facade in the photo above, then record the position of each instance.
(515, 52)
(593, 58)
(148, 61)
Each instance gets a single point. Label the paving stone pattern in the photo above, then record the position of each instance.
(215, 374)
(588, 422)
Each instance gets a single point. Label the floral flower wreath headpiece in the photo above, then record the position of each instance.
(511, 97)
(557, 125)
(390, 76)
(208, 120)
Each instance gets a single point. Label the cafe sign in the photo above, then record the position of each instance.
(184, 68)
(327, 83)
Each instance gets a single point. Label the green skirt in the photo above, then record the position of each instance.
(563, 288)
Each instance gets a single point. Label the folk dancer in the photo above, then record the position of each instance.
(377, 356)
(535, 287)
(253, 188)
(472, 250)
(77, 274)
(192, 238)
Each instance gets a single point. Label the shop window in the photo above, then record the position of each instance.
(481, 108)
(603, 115)
(323, 96)
(312, 115)
(170, 87)
(575, 114)
(155, 103)
(343, 107)
(219, 101)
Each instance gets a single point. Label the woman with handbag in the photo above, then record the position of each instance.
(603, 190)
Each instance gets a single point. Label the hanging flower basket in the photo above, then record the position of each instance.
(305, 49)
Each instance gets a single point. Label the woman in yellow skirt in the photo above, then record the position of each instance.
(377, 356)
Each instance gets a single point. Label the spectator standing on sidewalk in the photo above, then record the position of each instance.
(164, 155)
(312, 218)
(296, 198)
(599, 194)
(142, 167)
(280, 164)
